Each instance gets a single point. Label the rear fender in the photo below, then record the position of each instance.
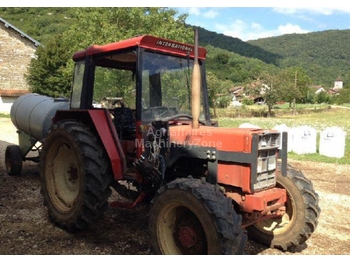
(101, 121)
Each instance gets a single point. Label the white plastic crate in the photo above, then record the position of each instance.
(304, 140)
(332, 142)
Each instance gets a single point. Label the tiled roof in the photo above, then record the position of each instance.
(338, 79)
(22, 34)
(236, 88)
(316, 87)
(13, 93)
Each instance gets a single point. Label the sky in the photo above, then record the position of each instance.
(246, 20)
(251, 22)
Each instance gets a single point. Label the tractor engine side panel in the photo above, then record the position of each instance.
(234, 174)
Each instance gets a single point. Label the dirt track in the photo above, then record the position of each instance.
(25, 228)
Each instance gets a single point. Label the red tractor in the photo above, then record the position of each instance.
(208, 187)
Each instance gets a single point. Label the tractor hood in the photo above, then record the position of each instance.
(221, 138)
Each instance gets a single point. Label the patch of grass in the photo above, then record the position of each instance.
(4, 115)
(262, 110)
(345, 105)
(318, 120)
(302, 106)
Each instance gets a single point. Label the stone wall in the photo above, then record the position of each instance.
(15, 55)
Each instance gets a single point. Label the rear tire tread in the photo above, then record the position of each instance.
(97, 178)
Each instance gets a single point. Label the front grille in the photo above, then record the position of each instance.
(267, 160)
(265, 180)
(266, 170)
(269, 140)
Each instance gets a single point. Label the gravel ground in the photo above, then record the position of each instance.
(26, 230)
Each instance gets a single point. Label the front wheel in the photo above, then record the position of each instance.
(74, 176)
(192, 217)
(300, 219)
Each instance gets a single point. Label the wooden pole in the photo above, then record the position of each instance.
(196, 96)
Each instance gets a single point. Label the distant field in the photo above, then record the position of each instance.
(318, 120)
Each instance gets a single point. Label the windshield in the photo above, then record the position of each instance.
(166, 86)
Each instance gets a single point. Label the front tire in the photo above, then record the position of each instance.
(300, 219)
(192, 217)
(74, 176)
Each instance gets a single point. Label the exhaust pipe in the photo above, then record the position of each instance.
(196, 77)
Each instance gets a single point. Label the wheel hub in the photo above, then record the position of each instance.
(65, 176)
(187, 236)
(72, 173)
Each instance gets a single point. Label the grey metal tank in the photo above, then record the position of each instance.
(32, 113)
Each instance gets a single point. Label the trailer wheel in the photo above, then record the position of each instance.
(300, 219)
(192, 217)
(75, 176)
(13, 160)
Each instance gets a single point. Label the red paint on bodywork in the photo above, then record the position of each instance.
(146, 41)
(264, 201)
(223, 139)
(109, 138)
(230, 173)
(235, 175)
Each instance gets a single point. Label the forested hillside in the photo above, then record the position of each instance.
(40, 23)
(237, 46)
(324, 55)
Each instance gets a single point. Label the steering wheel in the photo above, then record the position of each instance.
(157, 111)
(173, 117)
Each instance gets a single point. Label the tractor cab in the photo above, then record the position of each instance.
(150, 76)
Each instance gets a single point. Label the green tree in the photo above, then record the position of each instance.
(105, 25)
(271, 89)
(47, 73)
(217, 89)
(51, 72)
(231, 66)
(342, 97)
(323, 97)
(247, 101)
(294, 84)
(221, 58)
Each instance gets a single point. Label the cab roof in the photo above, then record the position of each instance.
(145, 41)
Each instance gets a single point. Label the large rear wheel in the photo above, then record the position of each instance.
(192, 217)
(300, 219)
(74, 176)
